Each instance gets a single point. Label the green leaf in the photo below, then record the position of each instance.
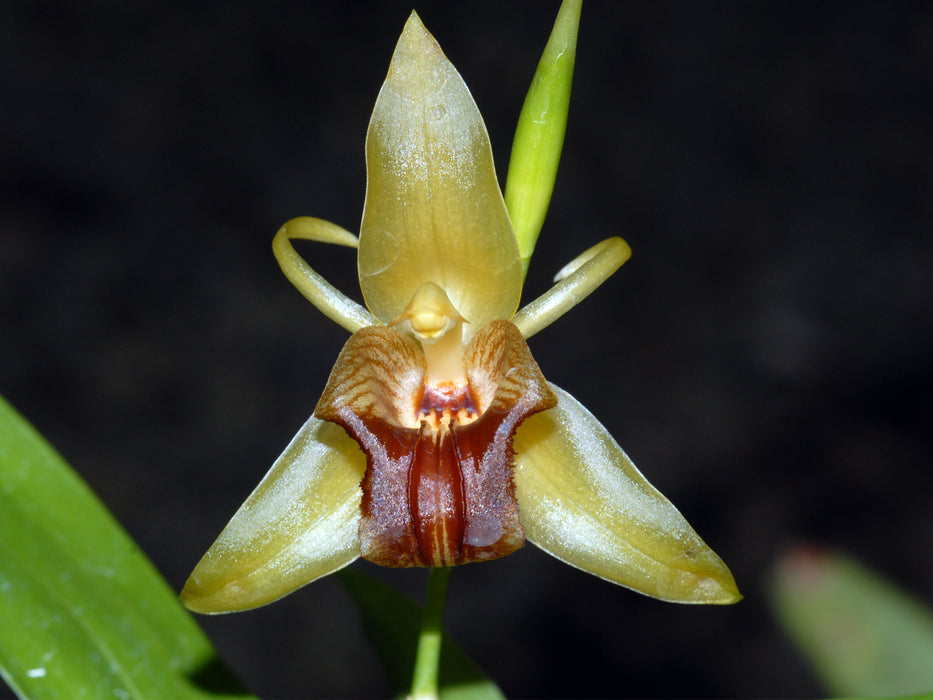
(391, 621)
(862, 635)
(539, 136)
(83, 613)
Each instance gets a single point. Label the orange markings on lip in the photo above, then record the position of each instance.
(447, 402)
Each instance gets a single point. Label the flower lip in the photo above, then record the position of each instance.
(438, 485)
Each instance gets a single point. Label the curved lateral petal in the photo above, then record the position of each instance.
(575, 282)
(300, 523)
(328, 299)
(433, 211)
(582, 500)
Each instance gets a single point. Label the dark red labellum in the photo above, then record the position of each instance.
(438, 487)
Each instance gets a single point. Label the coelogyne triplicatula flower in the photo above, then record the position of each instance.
(437, 441)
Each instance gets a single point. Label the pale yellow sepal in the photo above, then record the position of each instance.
(582, 500)
(300, 523)
(433, 210)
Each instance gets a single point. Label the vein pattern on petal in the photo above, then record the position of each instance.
(433, 211)
(582, 500)
(300, 523)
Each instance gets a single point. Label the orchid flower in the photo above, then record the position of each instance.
(437, 441)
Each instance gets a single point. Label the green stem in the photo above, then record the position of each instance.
(427, 659)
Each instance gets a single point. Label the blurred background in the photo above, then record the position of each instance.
(764, 357)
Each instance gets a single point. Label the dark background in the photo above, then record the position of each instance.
(764, 357)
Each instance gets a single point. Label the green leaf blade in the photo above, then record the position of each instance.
(539, 136)
(83, 613)
(862, 635)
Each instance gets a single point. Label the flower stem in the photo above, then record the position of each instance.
(427, 659)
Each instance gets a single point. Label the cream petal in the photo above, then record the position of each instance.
(582, 500)
(328, 299)
(433, 211)
(300, 523)
(575, 282)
